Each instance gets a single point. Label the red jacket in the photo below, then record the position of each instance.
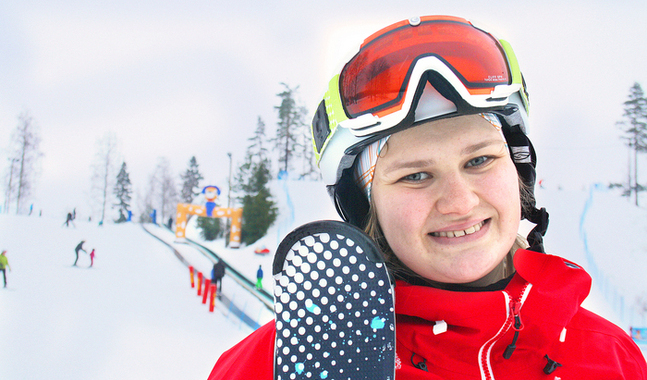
(543, 298)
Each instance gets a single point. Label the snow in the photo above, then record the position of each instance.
(134, 315)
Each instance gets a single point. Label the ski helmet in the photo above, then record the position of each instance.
(414, 71)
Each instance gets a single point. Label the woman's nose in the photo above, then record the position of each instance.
(455, 195)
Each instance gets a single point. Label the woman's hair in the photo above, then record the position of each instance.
(400, 271)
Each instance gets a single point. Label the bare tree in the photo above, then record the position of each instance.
(10, 183)
(163, 190)
(103, 169)
(24, 155)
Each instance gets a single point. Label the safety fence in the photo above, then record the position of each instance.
(626, 311)
(244, 302)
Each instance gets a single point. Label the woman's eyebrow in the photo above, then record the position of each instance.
(408, 164)
(484, 144)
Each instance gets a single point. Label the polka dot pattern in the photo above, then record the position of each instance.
(333, 306)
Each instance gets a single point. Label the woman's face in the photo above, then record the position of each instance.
(447, 198)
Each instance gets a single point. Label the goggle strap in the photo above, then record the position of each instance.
(320, 127)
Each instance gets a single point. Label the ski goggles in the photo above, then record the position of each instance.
(377, 87)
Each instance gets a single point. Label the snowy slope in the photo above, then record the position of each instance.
(134, 316)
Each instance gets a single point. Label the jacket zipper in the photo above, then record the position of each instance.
(513, 319)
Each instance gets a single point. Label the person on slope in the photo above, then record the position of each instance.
(92, 254)
(79, 247)
(4, 265)
(217, 273)
(421, 139)
(259, 278)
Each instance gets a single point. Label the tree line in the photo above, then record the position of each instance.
(111, 187)
(250, 184)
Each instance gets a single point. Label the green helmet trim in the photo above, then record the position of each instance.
(517, 78)
(335, 113)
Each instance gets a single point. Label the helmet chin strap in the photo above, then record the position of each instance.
(536, 236)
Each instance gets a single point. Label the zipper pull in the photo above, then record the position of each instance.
(516, 312)
(515, 307)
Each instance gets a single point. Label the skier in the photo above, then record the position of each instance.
(69, 219)
(217, 273)
(79, 247)
(4, 265)
(259, 278)
(92, 258)
(421, 140)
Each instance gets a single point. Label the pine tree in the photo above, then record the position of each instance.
(635, 130)
(259, 210)
(251, 183)
(289, 128)
(210, 228)
(255, 154)
(191, 181)
(123, 191)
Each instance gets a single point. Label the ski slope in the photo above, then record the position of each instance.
(134, 315)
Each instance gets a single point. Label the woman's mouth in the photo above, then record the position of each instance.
(460, 233)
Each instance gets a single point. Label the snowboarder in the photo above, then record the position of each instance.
(421, 140)
(79, 247)
(92, 258)
(4, 265)
(217, 273)
(69, 219)
(259, 278)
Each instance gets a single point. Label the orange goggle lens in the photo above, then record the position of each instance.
(377, 77)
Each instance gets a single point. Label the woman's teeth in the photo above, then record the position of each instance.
(451, 234)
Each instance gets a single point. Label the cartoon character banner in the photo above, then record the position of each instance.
(210, 210)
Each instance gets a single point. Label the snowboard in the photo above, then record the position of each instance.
(333, 305)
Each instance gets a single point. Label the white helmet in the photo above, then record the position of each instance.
(418, 70)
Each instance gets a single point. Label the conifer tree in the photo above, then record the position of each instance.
(251, 183)
(123, 191)
(635, 133)
(289, 128)
(210, 228)
(259, 210)
(255, 154)
(190, 181)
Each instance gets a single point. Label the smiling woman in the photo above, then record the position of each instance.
(421, 141)
(446, 194)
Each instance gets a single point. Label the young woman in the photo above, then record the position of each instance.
(421, 141)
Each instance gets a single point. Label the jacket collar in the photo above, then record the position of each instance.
(555, 281)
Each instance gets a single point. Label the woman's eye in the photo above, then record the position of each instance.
(478, 161)
(415, 177)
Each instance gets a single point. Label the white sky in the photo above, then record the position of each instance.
(176, 79)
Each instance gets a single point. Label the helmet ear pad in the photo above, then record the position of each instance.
(524, 158)
(350, 201)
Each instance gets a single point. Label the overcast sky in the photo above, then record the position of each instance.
(181, 78)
